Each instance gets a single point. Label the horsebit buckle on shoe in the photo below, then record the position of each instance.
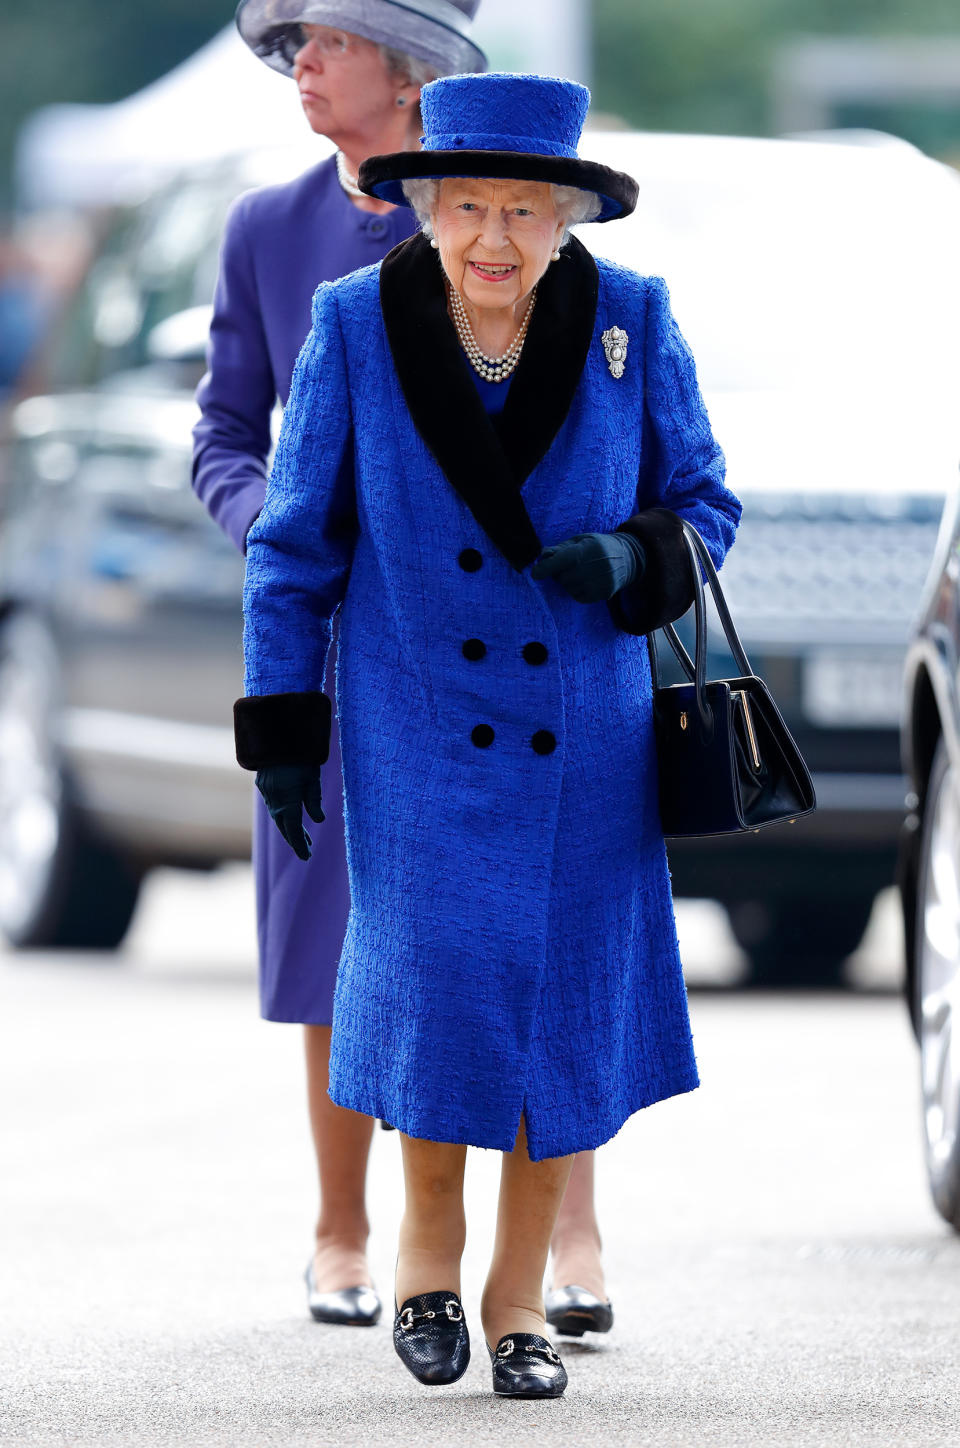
(507, 1347)
(409, 1318)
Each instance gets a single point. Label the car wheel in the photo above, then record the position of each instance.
(801, 941)
(937, 978)
(60, 886)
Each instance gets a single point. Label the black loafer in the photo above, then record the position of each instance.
(431, 1338)
(574, 1311)
(349, 1307)
(527, 1366)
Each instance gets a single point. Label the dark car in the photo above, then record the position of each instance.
(930, 861)
(824, 373)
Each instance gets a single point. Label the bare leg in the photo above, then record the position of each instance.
(530, 1194)
(575, 1245)
(342, 1142)
(433, 1231)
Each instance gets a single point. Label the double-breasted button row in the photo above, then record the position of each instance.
(543, 742)
(476, 649)
(482, 735)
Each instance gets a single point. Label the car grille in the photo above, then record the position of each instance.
(809, 568)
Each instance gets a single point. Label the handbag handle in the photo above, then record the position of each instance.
(696, 668)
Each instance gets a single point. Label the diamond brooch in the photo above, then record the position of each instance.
(615, 342)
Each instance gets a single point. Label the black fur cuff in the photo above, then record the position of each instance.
(664, 591)
(282, 729)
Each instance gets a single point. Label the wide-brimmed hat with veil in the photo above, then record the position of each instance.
(437, 31)
(505, 128)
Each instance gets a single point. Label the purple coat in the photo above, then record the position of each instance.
(280, 242)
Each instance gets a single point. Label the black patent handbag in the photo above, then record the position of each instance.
(726, 761)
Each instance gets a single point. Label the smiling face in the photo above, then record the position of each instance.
(496, 238)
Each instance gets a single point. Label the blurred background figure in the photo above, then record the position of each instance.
(21, 310)
(43, 258)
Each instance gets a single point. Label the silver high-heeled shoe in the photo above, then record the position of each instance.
(347, 1307)
(573, 1311)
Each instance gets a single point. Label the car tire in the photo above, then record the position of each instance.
(61, 886)
(799, 941)
(936, 978)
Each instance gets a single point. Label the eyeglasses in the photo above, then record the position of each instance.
(289, 40)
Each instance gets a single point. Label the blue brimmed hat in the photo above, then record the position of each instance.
(503, 128)
(437, 31)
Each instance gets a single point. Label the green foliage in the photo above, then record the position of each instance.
(697, 65)
(92, 51)
(704, 65)
(666, 64)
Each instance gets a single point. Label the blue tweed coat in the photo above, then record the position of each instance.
(511, 946)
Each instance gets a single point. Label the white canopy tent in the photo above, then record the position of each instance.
(220, 101)
(223, 100)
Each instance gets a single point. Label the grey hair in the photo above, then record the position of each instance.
(409, 70)
(413, 70)
(574, 206)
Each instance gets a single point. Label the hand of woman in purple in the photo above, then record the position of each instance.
(288, 790)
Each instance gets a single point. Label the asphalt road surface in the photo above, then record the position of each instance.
(778, 1274)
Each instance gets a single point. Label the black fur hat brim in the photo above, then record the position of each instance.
(383, 176)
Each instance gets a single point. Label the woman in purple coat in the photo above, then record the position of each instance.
(359, 66)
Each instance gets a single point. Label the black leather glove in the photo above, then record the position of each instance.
(592, 567)
(288, 790)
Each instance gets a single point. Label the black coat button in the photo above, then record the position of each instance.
(470, 560)
(378, 228)
(482, 736)
(535, 653)
(474, 649)
(543, 742)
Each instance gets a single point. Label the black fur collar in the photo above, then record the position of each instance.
(488, 463)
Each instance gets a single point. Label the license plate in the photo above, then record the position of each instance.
(844, 690)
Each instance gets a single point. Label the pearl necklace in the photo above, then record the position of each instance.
(491, 369)
(348, 182)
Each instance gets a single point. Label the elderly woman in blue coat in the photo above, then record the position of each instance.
(510, 976)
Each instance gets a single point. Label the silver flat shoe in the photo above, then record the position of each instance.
(573, 1311)
(348, 1307)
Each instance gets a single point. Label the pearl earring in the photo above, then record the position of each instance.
(555, 256)
(434, 243)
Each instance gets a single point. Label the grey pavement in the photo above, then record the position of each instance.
(778, 1273)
